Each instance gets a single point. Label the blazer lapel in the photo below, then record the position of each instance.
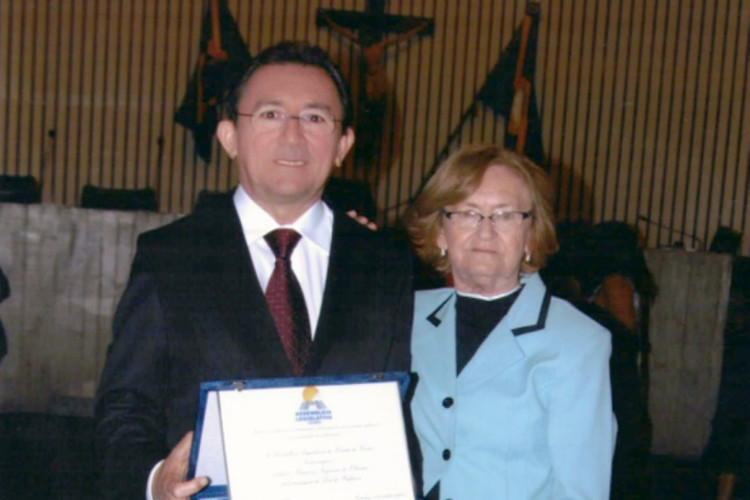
(239, 302)
(341, 263)
(501, 348)
(435, 342)
(438, 347)
(499, 351)
(482, 367)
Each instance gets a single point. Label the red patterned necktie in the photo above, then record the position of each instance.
(285, 299)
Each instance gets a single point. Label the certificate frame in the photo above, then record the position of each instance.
(208, 454)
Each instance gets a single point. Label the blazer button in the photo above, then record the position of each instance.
(446, 454)
(448, 402)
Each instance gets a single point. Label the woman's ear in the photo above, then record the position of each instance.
(441, 242)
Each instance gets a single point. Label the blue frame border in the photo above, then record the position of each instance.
(221, 492)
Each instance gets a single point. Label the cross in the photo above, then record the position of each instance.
(369, 30)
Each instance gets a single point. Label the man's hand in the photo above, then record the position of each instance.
(169, 480)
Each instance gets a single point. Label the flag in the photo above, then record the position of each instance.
(223, 58)
(509, 89)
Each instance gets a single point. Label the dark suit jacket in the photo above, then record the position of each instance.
(193, 311)
(728, 448)
(4, 294)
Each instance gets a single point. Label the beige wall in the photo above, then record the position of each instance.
(643, 103)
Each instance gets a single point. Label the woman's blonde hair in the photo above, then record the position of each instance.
(456, 179)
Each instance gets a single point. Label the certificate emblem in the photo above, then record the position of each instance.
(312, 409)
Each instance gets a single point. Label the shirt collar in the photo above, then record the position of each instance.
(316, 224)
(488, 298)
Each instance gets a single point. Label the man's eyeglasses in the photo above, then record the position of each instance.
(312, 122)
(503, 219)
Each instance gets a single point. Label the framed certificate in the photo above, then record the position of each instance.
(338, 438)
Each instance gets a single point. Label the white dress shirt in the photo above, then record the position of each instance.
(310, 255)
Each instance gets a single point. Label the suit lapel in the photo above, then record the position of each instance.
(500, 349)
(341, 263)
(237, 298)
(435, 343)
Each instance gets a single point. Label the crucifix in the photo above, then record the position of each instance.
(370, 30)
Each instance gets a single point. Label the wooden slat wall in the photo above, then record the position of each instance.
(643, 103)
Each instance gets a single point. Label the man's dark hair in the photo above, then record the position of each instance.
(292, 52)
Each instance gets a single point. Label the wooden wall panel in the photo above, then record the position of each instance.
(643, 103)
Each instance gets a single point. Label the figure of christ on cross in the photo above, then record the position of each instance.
(368, 29)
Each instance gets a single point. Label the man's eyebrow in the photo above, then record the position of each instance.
(268, 102)
(321, 105)
(313, 105)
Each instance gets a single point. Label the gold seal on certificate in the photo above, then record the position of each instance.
(339, 438)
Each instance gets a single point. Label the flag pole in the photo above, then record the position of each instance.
(519, 114)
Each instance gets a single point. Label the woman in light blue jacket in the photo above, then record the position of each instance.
(513, 399)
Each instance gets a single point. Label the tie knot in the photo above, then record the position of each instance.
(282, 242)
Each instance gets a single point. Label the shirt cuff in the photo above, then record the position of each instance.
(151, 479)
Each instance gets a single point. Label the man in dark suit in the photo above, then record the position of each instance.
(194, 309)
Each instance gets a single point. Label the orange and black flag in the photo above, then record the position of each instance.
(509, 89)
(224, 56)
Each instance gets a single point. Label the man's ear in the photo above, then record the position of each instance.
(346, 141)
(226, 132)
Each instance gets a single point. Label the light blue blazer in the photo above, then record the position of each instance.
(530, 415)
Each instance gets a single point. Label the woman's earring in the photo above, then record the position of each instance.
(442, 252)
(527, 258)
